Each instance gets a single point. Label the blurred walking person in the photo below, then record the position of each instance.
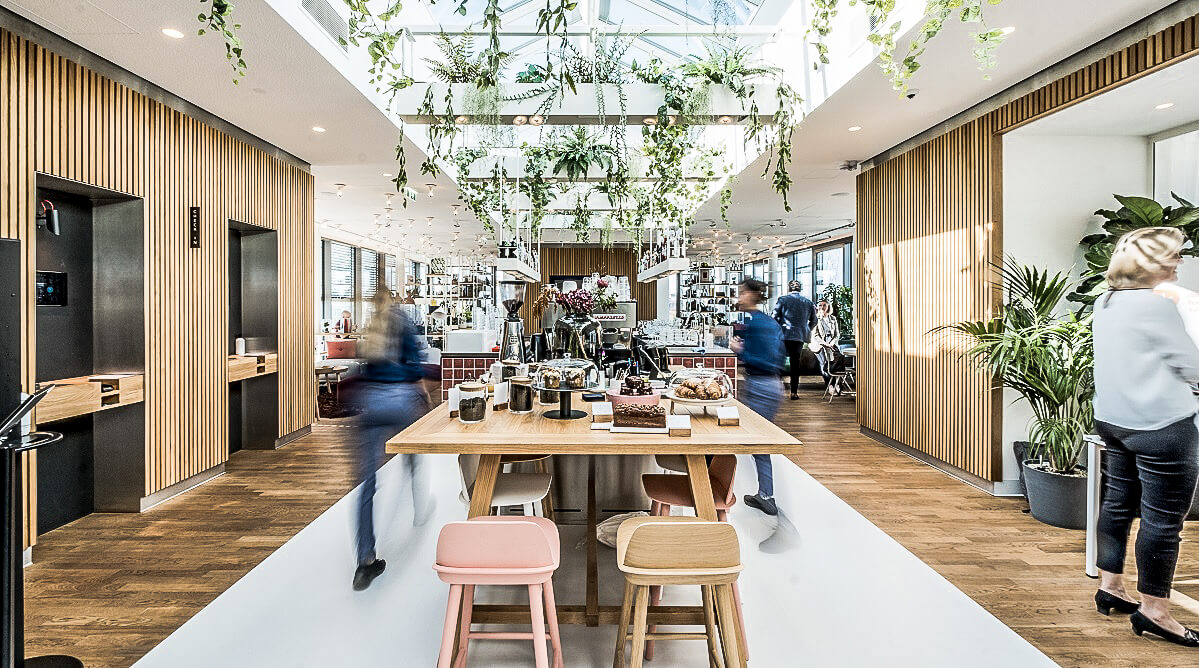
(390, 396)
(1145, 365)
(760, 351)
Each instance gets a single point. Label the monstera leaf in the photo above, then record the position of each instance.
(1134, 213)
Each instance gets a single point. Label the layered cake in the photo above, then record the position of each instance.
(635, 386)
(638, 415)
(551, 378)
(576, 379)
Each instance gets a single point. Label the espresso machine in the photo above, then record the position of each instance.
(512, 331)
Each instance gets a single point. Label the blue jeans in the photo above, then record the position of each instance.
(762, 394)
(387, 409)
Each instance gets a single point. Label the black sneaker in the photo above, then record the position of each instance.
(794, 396)
(366, 574)
(765, 504)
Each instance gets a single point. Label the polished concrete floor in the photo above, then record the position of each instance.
(822, 586)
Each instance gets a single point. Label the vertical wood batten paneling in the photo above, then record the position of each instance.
(62, 119)
(929, 231)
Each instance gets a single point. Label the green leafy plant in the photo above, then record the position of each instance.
(732, 66)
(580, 219)
(217, 18)
(534, 185)
(533, 74)
(1134, 213)
(578, 151)
(1045, 355)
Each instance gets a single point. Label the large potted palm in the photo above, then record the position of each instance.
(1043, 352)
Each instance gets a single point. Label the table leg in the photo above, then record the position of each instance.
(480, 498)
(592, 548)
(701, 487)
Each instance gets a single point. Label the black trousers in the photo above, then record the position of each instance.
(1154, 471)
(795, 354)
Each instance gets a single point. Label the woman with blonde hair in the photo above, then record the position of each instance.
(1145, 364)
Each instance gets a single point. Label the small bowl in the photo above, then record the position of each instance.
(651, 399)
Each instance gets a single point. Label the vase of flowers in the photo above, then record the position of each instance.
(577, 333)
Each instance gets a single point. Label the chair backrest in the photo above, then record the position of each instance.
(481, 543)
(721, 471)
(683, 545)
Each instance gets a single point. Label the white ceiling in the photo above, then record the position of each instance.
(290, 87)
(948, 83)
(1131, 109)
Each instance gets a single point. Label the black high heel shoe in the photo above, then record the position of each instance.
(1141, 624)
(1105, 603)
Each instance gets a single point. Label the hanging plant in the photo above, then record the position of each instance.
(533, 74)
(578, 151)
(217, 19)
(580, 218)
(534, 185)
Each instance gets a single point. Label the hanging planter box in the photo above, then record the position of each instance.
(578, 108)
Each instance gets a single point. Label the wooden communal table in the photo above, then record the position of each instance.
(503, 433)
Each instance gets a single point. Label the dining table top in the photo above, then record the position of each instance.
(503, 432)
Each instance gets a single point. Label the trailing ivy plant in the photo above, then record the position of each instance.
(217, 18)
(1134, 213)
(580, 218)
(936, 12)
(534, 185)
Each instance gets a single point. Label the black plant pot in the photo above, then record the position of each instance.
(1055, 499)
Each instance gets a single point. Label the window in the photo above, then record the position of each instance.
(800, 269)
(338, 279)
(370, 274)
(389, 272)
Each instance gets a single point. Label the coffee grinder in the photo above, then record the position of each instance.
(512, 331)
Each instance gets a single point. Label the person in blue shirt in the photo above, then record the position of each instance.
(797, 316)
(390, 396)
(760, 351)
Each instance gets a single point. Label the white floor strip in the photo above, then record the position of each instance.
(822, 587)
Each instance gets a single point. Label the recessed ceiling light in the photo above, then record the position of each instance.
(317, 128)
(1164, 105)
(650, 120)
(520, 120)
(1008, 30)
(536, 119)
(388, 174)
(461, 120)
(725, 120)
(172, 33)
(855, 128)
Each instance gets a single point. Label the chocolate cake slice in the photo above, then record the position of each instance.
(638, 415)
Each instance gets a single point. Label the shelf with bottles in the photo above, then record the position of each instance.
(663, 245)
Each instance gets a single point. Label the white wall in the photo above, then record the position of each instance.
(1051, 187)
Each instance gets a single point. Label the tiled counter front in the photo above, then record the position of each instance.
(457, 367)
(725, 363)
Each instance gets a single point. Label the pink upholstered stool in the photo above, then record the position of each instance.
(667, 491)
(508, 550)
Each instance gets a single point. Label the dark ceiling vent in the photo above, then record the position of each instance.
(329, 20)
(873, 22)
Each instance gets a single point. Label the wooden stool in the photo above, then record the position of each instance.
(656, 551)
(667, 491)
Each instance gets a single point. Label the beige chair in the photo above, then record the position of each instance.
(655, 551)
(511, 489)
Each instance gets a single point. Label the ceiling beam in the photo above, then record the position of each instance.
(584, 29)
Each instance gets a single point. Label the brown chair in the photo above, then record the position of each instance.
(656, 551)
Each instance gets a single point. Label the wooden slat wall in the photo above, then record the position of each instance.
(65, 120)
(929, 230)
(586, 260)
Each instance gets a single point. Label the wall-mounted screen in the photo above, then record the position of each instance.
(51, 288)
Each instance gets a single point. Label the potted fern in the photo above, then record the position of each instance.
(1044, 352)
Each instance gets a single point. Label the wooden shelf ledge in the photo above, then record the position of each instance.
(241, 367)
(72, 397)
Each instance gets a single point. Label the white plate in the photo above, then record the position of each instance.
(697, 402)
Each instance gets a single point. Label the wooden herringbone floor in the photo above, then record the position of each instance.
(107, 588)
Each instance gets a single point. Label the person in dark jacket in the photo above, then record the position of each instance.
(391, 396)
(761, 354)
(796, 314)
